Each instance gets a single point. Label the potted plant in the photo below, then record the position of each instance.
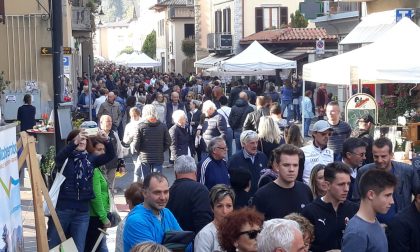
(47, 165)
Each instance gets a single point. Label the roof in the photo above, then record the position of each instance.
(296, 53)
(371, 28)
(211, 60)
(289, 34)
(120, 23)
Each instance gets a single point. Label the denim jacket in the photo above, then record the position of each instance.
(407, 178)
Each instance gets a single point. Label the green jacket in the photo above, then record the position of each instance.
(99, 206)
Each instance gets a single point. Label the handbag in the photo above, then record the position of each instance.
(177, 240)
(113, 215)
(55, 189)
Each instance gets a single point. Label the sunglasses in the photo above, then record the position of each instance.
(252, 234)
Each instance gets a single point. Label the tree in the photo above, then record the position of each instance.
(298, 20)
(127, 50)
(149, 46)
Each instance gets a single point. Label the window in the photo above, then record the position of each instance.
(161, 27)
(267, 18)
(189, 32)
(226, 20)
(218, 21)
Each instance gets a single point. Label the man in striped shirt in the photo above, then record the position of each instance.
(341, 130)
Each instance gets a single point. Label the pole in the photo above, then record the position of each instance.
(90, 90)
(57, 46)
(301, 109)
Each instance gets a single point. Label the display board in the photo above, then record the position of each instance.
(359, 105)
(65, 122)
(10, 212)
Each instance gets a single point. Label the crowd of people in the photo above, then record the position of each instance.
(246, 180)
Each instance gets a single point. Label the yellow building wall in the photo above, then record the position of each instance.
(384, 5)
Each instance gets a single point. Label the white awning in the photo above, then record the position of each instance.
(210, 61)
(371, 28)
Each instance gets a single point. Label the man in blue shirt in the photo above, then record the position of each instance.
(149, 221)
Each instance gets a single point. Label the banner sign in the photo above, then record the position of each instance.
(11, 238)
(359, 105)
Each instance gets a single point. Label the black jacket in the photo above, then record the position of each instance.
(253, 119)
(169, 112)
(238, 114)
(189, 202)
(26, 116)
(329, 225)
(180, 141)
(234, 95)
(404, 231)
(152, 140)
(368, 139)
(194, 121)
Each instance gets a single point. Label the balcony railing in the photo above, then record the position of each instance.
(180, 12)
(331, 7)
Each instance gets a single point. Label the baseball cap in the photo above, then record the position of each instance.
(367, 118)
(321, 126)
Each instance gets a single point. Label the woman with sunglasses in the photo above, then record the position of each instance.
(240, 230)
(221, 201)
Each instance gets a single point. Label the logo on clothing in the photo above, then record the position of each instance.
(322, 221)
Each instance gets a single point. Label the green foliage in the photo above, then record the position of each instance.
(127, 50)
(3, 83)
(298, 20)
(188, 47)
(393, 106)
(149, 46)
(48, 161)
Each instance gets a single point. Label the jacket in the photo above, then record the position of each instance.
(253, 119)
(170, 110)
(368, 139)
(180, 142)
(81, 102)
(211, 172)
(286, 93)
(321, 97)
(404, 231)
(407, 182)
(111, 109)
(189, 202)
(238, 160)
(116, 143)
(193, 121)
(152, 229)
(70, 197)
(213, 126)
(314, 156)
(239, 113)
(152, 140)
(329, 225)
(307, 111)
(160, 110)
(234, 95)
(26, 116)
(100, 205)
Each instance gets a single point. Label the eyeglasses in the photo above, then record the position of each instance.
(358, 154)
(252, 234)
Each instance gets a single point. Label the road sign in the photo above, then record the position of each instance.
(400, 13)
(66, 61)
(320, 47)
(49, 51)
(66, 64)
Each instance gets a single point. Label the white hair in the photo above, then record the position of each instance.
(208, 105)
(185, 164)
(277, 233)
(248, 135)
(177, 115)
(149, 111)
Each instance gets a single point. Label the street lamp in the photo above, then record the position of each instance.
(100, 22)
(101, 12)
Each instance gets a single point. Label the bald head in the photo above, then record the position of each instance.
(243, 95)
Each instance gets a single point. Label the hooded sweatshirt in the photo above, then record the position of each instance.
(329, 225)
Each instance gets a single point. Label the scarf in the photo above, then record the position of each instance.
(82, 168)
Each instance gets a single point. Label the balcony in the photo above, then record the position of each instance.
(331, 7)
(219, 42)
(80, 20)
(180, 12)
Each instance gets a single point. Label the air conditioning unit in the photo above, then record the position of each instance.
(219, 42)
(190, 2)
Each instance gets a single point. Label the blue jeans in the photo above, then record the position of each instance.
(287, 105)
(237, 135)
(229, 140)
(306, 126)
(75, 224)
(296, 109)
(147, 168)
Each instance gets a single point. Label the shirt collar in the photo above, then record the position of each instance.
(247, 155)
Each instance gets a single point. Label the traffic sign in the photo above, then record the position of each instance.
(66, 61)
(49, 51)
(400, 13)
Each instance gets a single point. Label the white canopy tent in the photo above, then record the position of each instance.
(120, 59)
(141, 60)
(392, 58)
(254, 60)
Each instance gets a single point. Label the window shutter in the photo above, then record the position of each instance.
(284, 16)
(224, 20)
(258, 19)
(229, 23)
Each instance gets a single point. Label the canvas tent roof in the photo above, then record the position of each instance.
(210, 61)
(393, 58)
(255, 58)
(141, 60)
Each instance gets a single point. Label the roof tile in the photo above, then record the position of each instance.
(286, 34)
